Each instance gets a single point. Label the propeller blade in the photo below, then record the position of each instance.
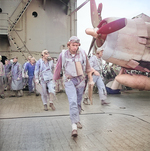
(100, 6)
(91, 46)
(112, 26)
(94, 14)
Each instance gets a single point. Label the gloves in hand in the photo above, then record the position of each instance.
(37, 81)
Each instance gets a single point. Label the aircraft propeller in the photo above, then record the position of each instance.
(95, 18)
(105, 26)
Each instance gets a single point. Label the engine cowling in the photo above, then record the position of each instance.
(140, 82)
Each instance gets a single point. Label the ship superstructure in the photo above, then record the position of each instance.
(29, 26)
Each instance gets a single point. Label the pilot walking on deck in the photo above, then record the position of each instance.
(44, 77)
(96, 63)
(74, 63)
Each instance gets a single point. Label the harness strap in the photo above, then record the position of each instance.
(66, 59)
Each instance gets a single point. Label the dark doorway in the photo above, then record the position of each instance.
(3, 59)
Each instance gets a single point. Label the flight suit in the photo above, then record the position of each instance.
(74, 81)
(43, 73)
(97, 65)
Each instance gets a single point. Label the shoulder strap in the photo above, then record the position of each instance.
(50, 64)
(63, 58)
(40, 60)
(41, 65)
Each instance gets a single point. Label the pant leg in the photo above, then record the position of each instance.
(44, 92)
(25, 81)
(61, 84)
(86, 92)
(1, 86)
(79, 97)
(72, 98)
(51, 87)
(5, 82)
(34, 87)
(9, 82)
(101, 88)
(30, 80)
(57, 86)
(51, 91)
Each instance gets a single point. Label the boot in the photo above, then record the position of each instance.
(20, 93)
(2, 96)
(51, 98)
(37, 93)
(74, 133)
(51, 105)
(85, 101)
(79, 125)
(45, 107)
(74, 130)
(103, 102)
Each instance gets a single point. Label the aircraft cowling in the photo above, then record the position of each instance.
(125, 42)
(128, 43)
(135, 81)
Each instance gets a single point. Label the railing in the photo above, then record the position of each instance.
(18, 12)
(13, 36)
(19, 44)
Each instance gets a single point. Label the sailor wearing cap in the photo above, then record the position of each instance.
(44, 77)
(96, 63)
(74, 63)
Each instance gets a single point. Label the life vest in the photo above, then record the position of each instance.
(46, 74)
(71, 66)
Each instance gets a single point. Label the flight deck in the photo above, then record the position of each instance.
(124, 125)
